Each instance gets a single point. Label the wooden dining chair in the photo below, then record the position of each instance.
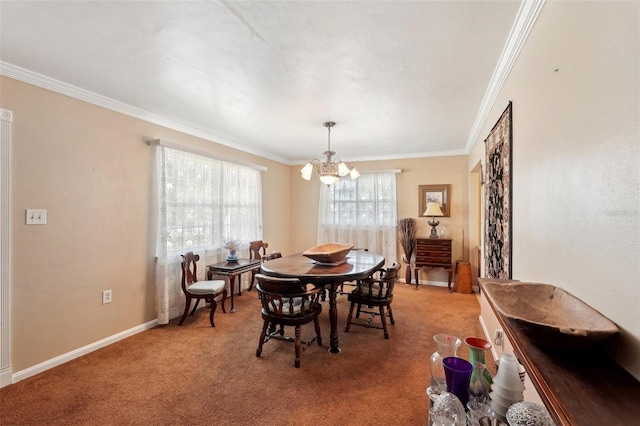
(350, 283)
(374, 292)
(194, 289)
(257, 250)
(287, 302)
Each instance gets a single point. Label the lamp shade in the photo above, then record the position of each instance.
(343, 169)
(306, 171)
(433, 209)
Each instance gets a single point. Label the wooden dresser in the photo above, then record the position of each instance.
(434, 253)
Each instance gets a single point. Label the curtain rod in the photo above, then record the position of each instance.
(381, 171)
(185, 148)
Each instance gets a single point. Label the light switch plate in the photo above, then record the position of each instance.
(36, 216)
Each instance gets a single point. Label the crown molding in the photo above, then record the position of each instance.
(44, 82)
(526, 18)
(48, 83)
(450, 153)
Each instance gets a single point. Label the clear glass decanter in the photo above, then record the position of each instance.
(446, 346)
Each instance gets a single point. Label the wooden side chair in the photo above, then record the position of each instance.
(194, 289)
(287, 302)
(257, 250)
(374, 292)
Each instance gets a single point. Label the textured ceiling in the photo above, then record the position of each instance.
(400, 78)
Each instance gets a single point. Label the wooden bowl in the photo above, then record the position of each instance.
(328, 253)
(550, 316)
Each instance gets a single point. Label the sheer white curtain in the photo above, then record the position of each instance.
(201, 203)
(362, 212)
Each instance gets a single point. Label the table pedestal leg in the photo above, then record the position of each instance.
(333, 319)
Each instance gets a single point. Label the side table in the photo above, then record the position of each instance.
(231, 269)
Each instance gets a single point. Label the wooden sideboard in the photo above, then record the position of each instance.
(433, 253)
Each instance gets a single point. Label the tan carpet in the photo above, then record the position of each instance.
(196, 375)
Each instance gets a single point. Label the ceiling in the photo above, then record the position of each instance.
(400, 78)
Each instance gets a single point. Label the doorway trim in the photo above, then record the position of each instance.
(6, 120)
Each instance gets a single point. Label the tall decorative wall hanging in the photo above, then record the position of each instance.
(498, 198)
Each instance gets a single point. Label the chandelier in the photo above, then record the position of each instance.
(329, 170)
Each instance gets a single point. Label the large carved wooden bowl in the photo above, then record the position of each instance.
(328, 253)
(550, 316)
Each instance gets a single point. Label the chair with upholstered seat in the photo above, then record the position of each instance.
(374, 292)
(198, 290)
(287, 302)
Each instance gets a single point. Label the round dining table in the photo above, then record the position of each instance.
(359, 264)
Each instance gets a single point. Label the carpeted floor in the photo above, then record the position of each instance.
(196, 375)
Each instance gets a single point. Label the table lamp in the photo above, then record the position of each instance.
(433, 210)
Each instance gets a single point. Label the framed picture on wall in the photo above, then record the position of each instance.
(434, 193)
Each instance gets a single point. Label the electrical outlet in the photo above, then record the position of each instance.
(36, 216)
(106, 297)
(498, 336)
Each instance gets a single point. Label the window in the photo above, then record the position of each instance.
(202, 202)
(362, 212)
(205, 202)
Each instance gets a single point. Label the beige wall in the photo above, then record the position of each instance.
(419, 171)
(576, 156)
(90, 168)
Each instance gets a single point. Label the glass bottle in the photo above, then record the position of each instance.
(446, 346)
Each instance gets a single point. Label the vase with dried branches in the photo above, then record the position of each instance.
(408, 240)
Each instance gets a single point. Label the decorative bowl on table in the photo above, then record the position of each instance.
(549, 316)
(328, 253)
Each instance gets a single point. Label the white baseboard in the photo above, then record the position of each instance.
(46, 365)
(434, 283)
